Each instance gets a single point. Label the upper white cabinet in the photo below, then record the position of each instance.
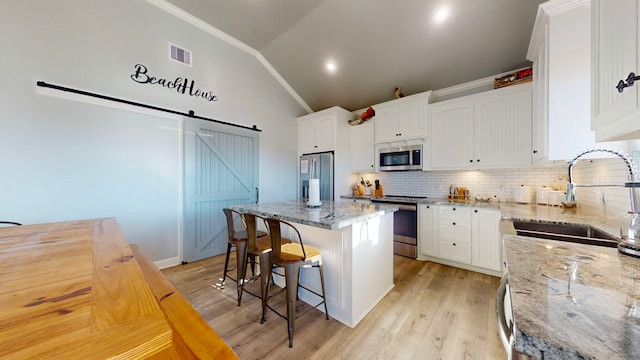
(328, 130)
(486, 130)
(451, 134)
(362, 147)
(615, 45)
(401, 119)
(317, 131)
(560, 50)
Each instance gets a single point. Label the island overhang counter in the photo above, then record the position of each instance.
(356, 240)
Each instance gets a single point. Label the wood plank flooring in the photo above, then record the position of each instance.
(433, 312)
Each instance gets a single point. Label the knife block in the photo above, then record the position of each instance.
(378, 192)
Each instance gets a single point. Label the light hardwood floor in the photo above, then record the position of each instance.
(433, 312)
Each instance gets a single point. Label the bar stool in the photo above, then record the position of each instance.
(237, 238)
(292, 257)
(259, 247)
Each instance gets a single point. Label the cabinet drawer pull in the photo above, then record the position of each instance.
(454, 244)
(475, 211)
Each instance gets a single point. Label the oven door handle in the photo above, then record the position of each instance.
(406, 207)
(506, 330)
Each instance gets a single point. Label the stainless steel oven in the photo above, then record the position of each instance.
(400, 158)
(405, 224)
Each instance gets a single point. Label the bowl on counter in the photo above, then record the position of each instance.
(483, 198)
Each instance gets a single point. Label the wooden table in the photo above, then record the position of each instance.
(73, 290)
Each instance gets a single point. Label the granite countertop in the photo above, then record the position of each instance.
(330, 215)
(594, 316)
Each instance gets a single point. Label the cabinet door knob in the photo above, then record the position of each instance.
(471, 160)
(454, 244)
(535, 151)
(478, 160)
(454, 224)
(475, 211)
(454, 209)
(315, 146)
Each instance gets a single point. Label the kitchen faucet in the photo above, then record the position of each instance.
(630, 229)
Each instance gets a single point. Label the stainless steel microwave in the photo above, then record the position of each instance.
(400, 158)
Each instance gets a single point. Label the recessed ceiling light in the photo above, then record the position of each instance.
(441, 15)
(331, 67)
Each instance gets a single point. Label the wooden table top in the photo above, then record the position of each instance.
(72, 290)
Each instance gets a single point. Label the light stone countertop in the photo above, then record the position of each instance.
(596, 317)
(330, 215)
(600, 317)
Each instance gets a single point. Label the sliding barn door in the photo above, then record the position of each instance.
(220, 170)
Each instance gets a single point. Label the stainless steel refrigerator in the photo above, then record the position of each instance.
(317, 166)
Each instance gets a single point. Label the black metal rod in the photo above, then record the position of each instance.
(190, 114)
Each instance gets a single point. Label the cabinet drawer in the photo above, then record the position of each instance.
(452, 231)
(455, 213)
(455, 251)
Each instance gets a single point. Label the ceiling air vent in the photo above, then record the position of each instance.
(179, 54)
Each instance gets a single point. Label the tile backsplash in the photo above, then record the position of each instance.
(500, 183)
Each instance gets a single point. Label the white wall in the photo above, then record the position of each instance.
(65, 159)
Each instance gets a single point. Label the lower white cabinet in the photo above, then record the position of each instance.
(454, 233)
(485, 230)
(427, 229)
(463, 236)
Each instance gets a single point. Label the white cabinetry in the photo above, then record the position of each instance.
(454, 233)
(401, 119)
(317, 135)
(486, 130)
(362, 147)
(328, 130)
(560, 49)
(462, 236)
(428, 244)
(486, 250)
(615, 45)
(317, 131)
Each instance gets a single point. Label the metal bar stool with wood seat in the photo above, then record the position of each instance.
(238, 239)
(291, 257)
(259, 247)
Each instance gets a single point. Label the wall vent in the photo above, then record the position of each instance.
(181, 55)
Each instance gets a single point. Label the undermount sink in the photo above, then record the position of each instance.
(577, 233)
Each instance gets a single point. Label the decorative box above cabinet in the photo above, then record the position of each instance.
(615, 111)
(402, 119)
(317, 131)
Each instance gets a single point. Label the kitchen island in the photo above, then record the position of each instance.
(356, 241)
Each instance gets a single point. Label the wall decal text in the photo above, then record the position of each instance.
(181, 85)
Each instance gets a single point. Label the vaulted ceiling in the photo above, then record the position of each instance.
(375, 45)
